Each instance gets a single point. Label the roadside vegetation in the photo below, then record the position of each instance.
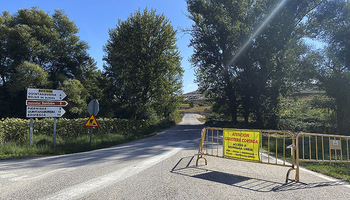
(277, 81)
(307, 111)
(72, 137)
(139, 89)
(263, 73)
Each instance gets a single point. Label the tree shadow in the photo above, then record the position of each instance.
(185, 167)
(136, 150)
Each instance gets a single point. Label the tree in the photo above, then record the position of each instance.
(143, 66)
(29, 75)
(218, 32)
(331, 23)
(248, 80)
(77, 98)
(32, 38)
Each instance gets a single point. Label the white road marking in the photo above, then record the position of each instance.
(8, 175)
(311, 172)
(325, 177)
(101, 182)
(18, 178)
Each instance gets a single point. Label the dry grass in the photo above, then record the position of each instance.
(197, 109)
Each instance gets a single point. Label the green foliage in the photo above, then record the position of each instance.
(336, 170)
(330, 23)
(312, 114)
(28, 75)
(76, 96)
(13, 130)
(246, 68)
(39, 50)
(143, 67)
(71, 135)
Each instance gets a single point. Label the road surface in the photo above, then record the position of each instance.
(158, 167)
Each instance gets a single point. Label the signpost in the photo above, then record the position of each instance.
(38, 111)
(45, 94)
(93, 109)
(44, 103)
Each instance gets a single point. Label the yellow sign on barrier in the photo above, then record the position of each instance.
(242, 144)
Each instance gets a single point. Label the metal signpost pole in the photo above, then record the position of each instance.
(54, 132)
(31, 132)
(91, 129)
(93, 108)
(44, 103)
(91, 134)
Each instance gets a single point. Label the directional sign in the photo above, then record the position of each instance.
(36, 111)
(91, 122)
(45, 94)
(46, 103)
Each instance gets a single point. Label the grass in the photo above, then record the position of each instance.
(196, 109)
(336, 170)
(43, 144)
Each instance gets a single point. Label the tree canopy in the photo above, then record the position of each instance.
(330, 23)
(143, 66)
(38, 50)
(249, 81)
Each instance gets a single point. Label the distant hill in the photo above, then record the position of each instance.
(194, 95)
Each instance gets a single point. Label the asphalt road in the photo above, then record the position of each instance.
(158, 167)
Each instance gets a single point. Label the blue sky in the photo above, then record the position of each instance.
(95, 17)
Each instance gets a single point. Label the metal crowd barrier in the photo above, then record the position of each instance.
(312, 147)
(276, 147)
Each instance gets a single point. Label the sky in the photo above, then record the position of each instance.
(95, 17)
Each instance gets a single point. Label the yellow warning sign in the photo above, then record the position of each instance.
(243, 144)
(91, 122)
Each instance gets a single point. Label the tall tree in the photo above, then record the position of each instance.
(218, 32)
(240, 50)
(331, 23)
(143, 65)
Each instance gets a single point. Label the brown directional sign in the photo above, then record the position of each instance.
(46, 103)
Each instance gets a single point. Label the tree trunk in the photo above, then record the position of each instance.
(343, 114)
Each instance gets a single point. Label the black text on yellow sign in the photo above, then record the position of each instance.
(91, 122)
(242, 144)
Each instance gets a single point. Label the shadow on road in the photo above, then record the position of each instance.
(136, 150)
(185, 168)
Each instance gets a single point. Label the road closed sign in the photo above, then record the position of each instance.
(242, 144)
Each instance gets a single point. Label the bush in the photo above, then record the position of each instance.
(17, 130)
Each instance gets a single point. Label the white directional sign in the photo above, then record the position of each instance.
(36, 111)
(45, 94)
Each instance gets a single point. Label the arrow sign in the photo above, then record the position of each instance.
(36, 111)
(45, 94)
(46, 103)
